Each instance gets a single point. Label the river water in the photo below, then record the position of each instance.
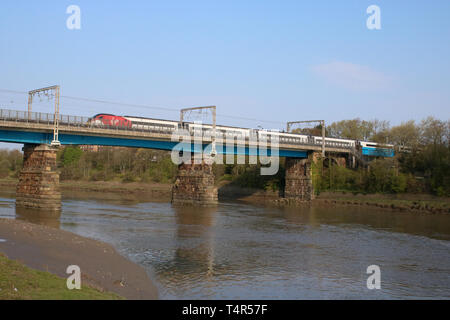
(242, 251)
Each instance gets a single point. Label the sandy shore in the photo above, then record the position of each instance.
(53, 250)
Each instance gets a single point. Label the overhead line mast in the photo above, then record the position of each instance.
(322, 123)
(47, 92)
(213, 111)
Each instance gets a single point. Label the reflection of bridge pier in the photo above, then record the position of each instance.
(194, 255)
(196, 224)
(41, 217)
(38, 186)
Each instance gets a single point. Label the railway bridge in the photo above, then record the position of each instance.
(43, 133)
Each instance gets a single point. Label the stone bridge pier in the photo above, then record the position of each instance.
(38, 186)
(299, 179)
(195, 185)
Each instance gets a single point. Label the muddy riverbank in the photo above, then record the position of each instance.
(415, 203)
(418, 203)
(52, 250)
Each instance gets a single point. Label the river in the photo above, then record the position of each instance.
(243, 251)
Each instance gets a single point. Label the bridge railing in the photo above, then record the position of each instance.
(86, 122)
(69, 121)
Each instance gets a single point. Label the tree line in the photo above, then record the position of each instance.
(425, 167)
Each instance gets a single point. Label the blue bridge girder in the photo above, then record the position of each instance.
(35, 137)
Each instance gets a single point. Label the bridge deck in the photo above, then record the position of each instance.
(22, 127)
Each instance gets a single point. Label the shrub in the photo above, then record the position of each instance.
(398, 183)
(4, 168)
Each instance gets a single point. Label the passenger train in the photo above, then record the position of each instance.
(168, 126)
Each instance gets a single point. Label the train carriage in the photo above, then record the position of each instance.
(377, 149)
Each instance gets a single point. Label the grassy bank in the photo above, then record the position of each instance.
(18, 282)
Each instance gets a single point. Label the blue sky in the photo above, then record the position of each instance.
(275, 61)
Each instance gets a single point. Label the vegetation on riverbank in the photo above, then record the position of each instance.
(424, 169)
(402, 202)
(18, 282)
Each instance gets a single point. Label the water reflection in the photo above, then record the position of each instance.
(195, 241)
(435, 226)
(120, 198)
(42, 217)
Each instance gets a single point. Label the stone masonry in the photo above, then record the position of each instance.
(38, 186)
(195, 186)
(298, 179)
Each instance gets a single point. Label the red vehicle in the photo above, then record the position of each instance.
(105, 119)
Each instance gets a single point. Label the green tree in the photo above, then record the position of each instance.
(405, 134)
(71, 155)
(4, 168)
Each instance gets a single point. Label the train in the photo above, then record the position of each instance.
(370, 149)
(109, 120)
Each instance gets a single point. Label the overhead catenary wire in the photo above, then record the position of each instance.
(147, 107)
(165, 109)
